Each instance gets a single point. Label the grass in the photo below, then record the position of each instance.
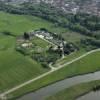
(75, 91)
(69, 57)
(17, 24)
(72, 36)
(4, 44)
(87, 64)
(17, 69)
(14, 67)
(39, 42)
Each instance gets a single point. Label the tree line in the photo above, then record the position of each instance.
(85, 24)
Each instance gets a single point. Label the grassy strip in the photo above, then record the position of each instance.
(39, 42)
(69, 57)
(75, 91)
(88, 64)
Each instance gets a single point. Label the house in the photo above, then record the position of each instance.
(39, 35)
(43, 34)
(27, 45)
(49, 38)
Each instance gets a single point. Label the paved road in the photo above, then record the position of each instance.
(2, 95)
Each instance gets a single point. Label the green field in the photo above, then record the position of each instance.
(88, 64)
(75, 91)
(72, 36)
(17, 24)
(7, 42)
(16, 68)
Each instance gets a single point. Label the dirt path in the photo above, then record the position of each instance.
(3, 95)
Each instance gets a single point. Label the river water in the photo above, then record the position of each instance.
(44, 92)
(90, 96)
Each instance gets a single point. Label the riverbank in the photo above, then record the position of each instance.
(52, 89)
(75, 92)
(79, 67)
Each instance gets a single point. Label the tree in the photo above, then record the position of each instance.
(26, 36)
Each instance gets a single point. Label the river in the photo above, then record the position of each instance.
(91, 96)
(44, 92)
